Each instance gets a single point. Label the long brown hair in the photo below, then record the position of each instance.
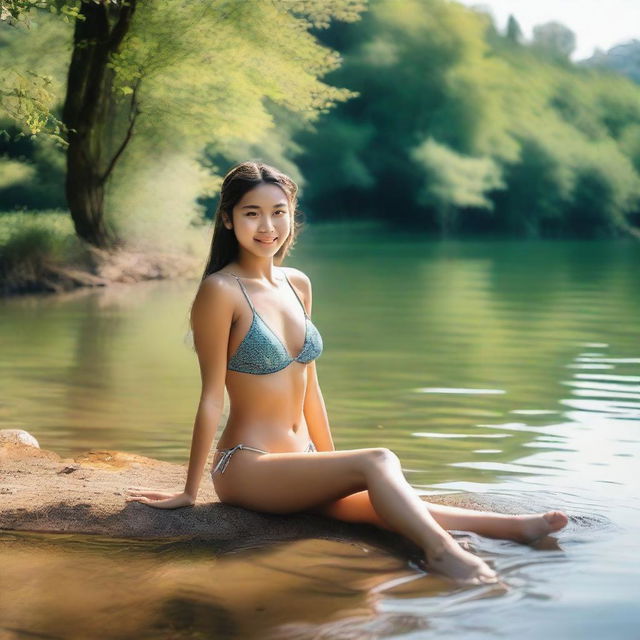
(240, 179)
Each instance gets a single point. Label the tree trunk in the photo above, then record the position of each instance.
(87, 106)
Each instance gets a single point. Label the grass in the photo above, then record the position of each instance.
(31, 243)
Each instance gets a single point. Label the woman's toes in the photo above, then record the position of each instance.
(541, 524)
(482, 578)
(556, 520)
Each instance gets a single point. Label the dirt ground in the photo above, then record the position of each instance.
(41, 491)
(98, 268)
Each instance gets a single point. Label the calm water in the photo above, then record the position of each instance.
(497, 367)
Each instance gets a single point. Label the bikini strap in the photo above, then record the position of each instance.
(294, 291)
(246, 295)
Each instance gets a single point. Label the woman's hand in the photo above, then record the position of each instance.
(159, 499)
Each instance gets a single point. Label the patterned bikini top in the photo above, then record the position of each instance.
(261, 350)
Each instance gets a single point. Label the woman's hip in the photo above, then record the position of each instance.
(222, 462)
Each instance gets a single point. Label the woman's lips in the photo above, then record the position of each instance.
(265, 241)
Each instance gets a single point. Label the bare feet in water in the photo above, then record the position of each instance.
(451, 560)
(534, 526)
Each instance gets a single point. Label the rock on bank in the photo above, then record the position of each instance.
(41, 491)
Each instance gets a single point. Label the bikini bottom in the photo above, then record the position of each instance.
(228, 453)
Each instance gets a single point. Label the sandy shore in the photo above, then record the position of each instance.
(41, 491)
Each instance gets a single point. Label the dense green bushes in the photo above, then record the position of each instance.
(461, 128)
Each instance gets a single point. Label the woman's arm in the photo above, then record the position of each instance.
(315, 412)
(212, 315)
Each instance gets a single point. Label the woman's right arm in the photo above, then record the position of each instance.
(212, 315)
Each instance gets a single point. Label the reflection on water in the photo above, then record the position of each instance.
(510, 369)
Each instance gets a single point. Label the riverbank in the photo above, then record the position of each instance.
(101, 269)
(40, 253)
(42, 491)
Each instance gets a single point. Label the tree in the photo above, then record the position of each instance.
(554, 38)
(433, 71)
(514, 33)
(454, 180)
(89, 113)
(185, 74)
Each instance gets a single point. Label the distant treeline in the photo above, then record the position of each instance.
(457, 128)
(462, 128)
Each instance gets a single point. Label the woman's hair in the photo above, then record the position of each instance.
(238, 181)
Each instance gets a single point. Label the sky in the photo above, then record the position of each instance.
(596, 23)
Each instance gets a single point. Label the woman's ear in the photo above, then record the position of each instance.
(226, 221)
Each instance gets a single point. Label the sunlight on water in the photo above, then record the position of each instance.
(436, 390)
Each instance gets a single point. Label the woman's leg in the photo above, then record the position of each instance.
(357, 507)
(521, 528)
(293, 482)
(395, 500)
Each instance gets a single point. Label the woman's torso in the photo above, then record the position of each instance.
(266, 409)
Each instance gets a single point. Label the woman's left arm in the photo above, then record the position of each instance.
(315, 413)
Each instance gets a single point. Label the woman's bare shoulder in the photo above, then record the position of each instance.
(216, 289)
(302, 283)
(298, 277)
(218, 280)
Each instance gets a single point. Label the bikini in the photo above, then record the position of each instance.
(262, 352)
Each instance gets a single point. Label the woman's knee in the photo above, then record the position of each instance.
(381, 457)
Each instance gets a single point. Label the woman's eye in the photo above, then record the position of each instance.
(280, 211)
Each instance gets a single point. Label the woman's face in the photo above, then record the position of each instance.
(262, 220)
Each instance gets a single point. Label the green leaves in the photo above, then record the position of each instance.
(27, 97)
(471, 124)
(454, 178)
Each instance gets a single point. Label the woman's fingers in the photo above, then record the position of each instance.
(160, 504)
(155, 495)
(140, 489)
(146, 500)
(170, 501)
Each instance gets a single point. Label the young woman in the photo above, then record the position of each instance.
(252, 328)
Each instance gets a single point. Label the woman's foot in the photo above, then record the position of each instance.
(454, 562)
(533, 526)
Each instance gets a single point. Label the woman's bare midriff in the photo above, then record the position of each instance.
(266, 412)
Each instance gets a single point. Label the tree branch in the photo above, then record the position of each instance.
(134, 112)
